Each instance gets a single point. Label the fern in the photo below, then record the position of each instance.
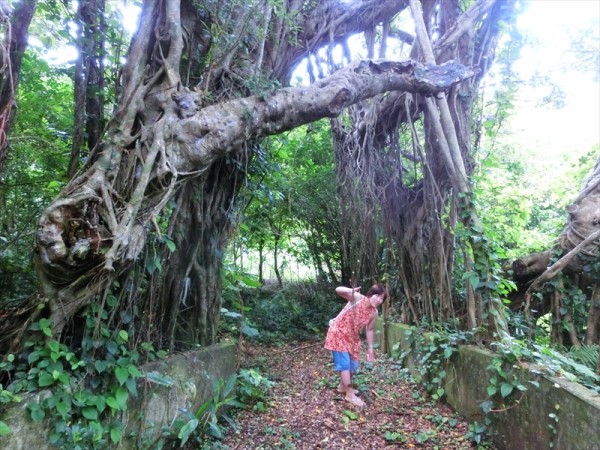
(586, 355)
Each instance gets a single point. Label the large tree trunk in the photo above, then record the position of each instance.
(167, 141)
(414, 188)
(190, 299)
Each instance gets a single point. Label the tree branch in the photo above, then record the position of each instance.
(557, 267)
(219, 129)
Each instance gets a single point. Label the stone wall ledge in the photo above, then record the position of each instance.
(525, 424)
(153, 411)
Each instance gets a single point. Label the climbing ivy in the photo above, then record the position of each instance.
(82, 395)
(435, 349)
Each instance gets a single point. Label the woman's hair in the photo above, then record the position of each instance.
(377, 289)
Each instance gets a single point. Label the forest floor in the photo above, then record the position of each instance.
(305, 411)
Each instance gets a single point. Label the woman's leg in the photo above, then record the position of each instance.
(344, 364)
(345, 381)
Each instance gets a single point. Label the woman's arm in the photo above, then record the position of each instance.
(370, 332)
(349, 294)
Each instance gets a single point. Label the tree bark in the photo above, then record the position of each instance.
(593, 333)
(16, 32)
(88, 81)
(411, 189)
(189, 304)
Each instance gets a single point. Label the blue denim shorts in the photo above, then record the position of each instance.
(343, 361)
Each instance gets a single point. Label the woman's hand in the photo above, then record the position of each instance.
(370, 354)
(348, 293)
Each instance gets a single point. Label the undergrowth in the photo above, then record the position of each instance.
(85, 393)
(271, 315)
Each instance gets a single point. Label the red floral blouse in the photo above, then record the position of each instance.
(344, 331)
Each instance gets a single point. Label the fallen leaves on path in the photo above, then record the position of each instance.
(306, 412)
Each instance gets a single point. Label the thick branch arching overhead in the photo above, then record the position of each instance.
(217, 129)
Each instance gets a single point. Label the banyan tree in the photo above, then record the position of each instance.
(204, 82)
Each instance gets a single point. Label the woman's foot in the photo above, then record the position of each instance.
(352, 398)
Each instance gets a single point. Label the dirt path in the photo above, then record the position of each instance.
(306, 412)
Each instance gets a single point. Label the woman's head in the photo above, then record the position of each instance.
(377, 295)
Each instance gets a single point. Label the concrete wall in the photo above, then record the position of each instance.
(525, 424)
(156, 406)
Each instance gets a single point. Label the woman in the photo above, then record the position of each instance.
(343, 337)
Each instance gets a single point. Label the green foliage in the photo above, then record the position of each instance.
(7, 397)
(348, 415)
(558, 363)
(252, 388)
(502, 385)
(553, 424)
(394, 436)
(586, 355)
(233, 310)
(292, 193)
(298, 311)
(521, 199)
(82, 395)
(483, 255)
(289, 18)
(262, 86)
(570, 317)
(507, 207)
(205, 421)
(435, 349)
(83, 389)
(477, 432)
(285, 436)
(522, 202)
(504, 389)
(573, 302)
(35, 170)
(52, 37)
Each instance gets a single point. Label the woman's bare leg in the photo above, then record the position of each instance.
(346, 387)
